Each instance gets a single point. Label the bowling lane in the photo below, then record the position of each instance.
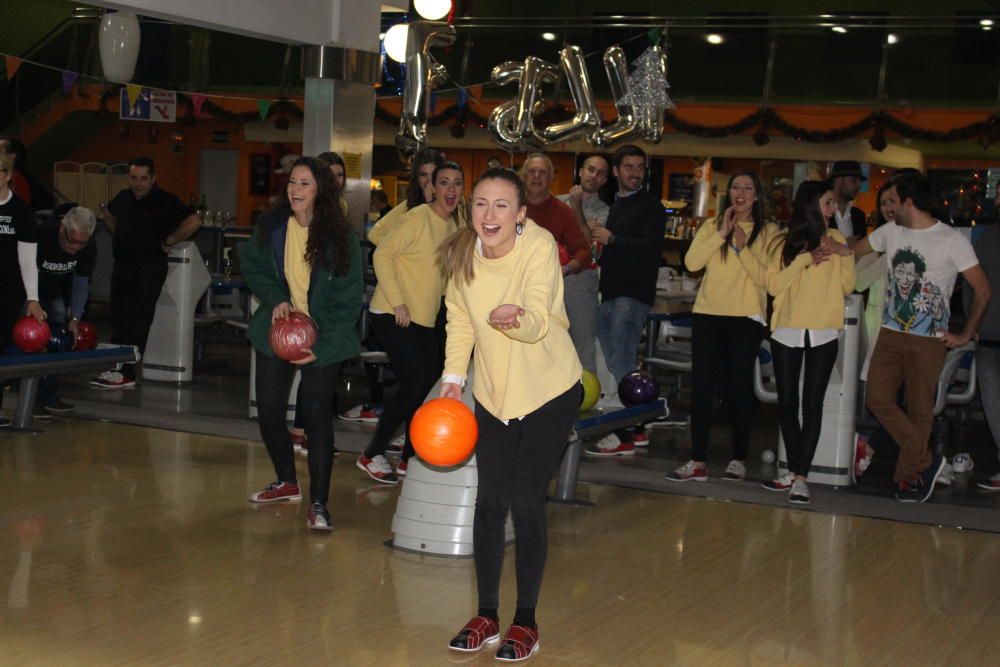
(127, 545)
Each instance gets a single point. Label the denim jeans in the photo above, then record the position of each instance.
(988, 373)
(619, 328)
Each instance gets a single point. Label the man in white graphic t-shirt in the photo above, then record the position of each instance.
(923, 258)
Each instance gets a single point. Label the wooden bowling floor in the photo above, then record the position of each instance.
(123, 545)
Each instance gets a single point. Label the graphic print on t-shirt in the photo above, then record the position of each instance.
(913, 304)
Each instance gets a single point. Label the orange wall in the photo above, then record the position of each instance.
(120, 140)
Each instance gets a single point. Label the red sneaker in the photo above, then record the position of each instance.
(861, 459)
(477, 633)
(610, 445)
(378, 469)
(300, 443)
(277, 492)
(401, 468)
(689, 472)
(639, 436)
(520, 643)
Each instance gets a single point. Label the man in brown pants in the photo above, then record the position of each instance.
(923, 258)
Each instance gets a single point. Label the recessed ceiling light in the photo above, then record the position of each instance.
(549, 36)
(987, 27)
(891, 38)
(839, 28)
(986, 22)
(713, 38)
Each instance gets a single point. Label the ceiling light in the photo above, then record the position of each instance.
(987, 27)
(432, 10)
(549, 36)
(395, 42)
(839, 28)
(713, 38)
(891, 38)
(985, 22)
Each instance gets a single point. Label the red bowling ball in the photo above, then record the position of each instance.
(293, 336)
(86, 336)
(30, 335)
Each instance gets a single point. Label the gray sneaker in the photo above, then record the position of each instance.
(799, 493)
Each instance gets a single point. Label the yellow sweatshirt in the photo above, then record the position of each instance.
(807, 296)
(519, 370)
(736, 285)
(298, 273)
(387, 224)
(408, 269)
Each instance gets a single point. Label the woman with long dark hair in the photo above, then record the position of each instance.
(308, 261)
(419, 191)
(728, 322)
(810, 272)
(505, 299)
(404, 310)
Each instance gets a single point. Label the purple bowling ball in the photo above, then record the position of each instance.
(637, 388)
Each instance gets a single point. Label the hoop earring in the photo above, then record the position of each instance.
(519, 228)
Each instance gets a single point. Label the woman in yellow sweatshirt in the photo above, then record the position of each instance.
(505, 298)
(810, 271)
(403, 311)
(728, 323)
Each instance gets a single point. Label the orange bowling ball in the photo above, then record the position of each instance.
(444, 432)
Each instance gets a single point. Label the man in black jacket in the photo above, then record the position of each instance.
(846, 177)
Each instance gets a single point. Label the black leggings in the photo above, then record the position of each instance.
(318, 386)
(414, 353)
(515, 463)
(801, 439)
(723, 351)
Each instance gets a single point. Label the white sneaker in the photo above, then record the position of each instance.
(689, 472)
(799, 493)
(378, 468)
(962, 463)
(112, 380)
(736, 471)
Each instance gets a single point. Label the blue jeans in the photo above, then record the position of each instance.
(58, 316)
(619, 328)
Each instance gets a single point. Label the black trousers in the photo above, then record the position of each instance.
(135, 289)
(318, 387)
(801, 438)
(723, 351)
(515, 463)
(414, 353)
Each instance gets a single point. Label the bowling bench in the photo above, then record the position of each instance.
(28, 368)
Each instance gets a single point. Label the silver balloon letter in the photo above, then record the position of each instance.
(512, 123)
(623, 128)
(586, 117)
(423, 74)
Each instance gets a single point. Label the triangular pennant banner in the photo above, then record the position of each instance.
(12, 65)
(133, 91)
(654, 35)
(263, 106)
(68, 79)
(197, 101)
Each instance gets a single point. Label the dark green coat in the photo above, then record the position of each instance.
(334, 301)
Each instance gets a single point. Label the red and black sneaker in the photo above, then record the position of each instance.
(519, 643)
(378, 468)
(639, 436)
(862, 459)
(477, 633)
(401, 468)
(277, 492)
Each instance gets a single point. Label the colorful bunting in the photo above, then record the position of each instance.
(12, 65)
(263, 106)
(133, 90)
(68, 79)
(197, 101)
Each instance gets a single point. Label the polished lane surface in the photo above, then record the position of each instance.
(124, 545)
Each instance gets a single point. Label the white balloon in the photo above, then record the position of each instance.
(432, 10)
(395, 42)
(119, 45)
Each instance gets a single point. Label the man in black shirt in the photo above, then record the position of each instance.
(66, 257)
(629, 264)
(145, 223)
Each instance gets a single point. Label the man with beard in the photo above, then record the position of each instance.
(924, 258)
(581, 287)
